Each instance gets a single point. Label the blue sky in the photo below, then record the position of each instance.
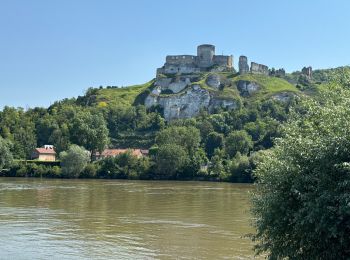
(54, 49)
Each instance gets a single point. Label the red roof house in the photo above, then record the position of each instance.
(46, 153)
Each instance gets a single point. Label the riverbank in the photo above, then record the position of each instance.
(111, 168)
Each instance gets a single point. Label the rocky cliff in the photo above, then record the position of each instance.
(188, 103)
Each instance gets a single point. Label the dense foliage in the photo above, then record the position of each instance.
(5, 154)
(216, 146)
(74, 161)
(302, 201)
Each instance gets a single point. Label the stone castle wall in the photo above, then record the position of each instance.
(187, 64)
(256, 68)
(223, 60)
(181, 59)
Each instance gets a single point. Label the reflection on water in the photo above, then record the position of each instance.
(99, 219)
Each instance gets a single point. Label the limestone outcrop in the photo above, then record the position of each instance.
(213, 80)
(223, 103)
(188, 103)
(247, 88)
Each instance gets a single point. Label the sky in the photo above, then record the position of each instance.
(50, 50)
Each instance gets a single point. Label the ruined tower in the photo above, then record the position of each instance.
(205, 55)
(243, 65)
(307, 71)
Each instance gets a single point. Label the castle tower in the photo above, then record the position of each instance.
(205, 55)
(307, 71)
(243, 65)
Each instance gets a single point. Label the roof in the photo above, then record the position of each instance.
(45, 150)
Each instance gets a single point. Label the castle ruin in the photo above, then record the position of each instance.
(205, 59)
(178, 89)
(243, 66)
(307, 71)
(255, 68)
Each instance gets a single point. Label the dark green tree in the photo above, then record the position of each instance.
(238, 141)
(170, 160)
(214, 141)
(90, 130)
(302, 201)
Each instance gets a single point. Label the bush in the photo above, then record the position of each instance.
(89, 171)
(74, 161)
(302, 201)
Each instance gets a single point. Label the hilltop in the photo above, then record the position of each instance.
(188, 84)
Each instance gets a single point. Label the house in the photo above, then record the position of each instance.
(46, 153)
(115, 152)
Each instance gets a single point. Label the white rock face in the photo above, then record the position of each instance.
(213, 80)
(163, 82)
(156, 91)
(224, 103)
(174, 85)
(247, 88)
(187, 104)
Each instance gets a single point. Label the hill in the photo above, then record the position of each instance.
(135, 95)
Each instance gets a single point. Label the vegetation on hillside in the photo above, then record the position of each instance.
(225, 145)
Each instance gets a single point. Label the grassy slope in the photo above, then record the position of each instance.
(122, 96)
(270, 85)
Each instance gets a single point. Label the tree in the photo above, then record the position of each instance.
(238, 141)
(187, 137)
(216, 166)
(170, 159)
(5, 154)
(74, 161)
(302, 201)
(214, 141)
(240, 169)
(90, 130)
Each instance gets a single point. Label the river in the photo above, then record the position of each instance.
(111, 219)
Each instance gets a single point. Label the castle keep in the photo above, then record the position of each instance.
(205, 59)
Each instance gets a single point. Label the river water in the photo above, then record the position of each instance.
(99, 219)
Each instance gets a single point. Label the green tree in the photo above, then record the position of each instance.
(187, 137)
(240, 169)
(238, 141)
(6, 158)
(74, 161)
(302, 201)
(90, 130)
(216, 166)
(214, 141)
(170, 160)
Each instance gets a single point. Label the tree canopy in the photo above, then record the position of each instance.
(302, 200)
(6, 157)
(74, 161)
